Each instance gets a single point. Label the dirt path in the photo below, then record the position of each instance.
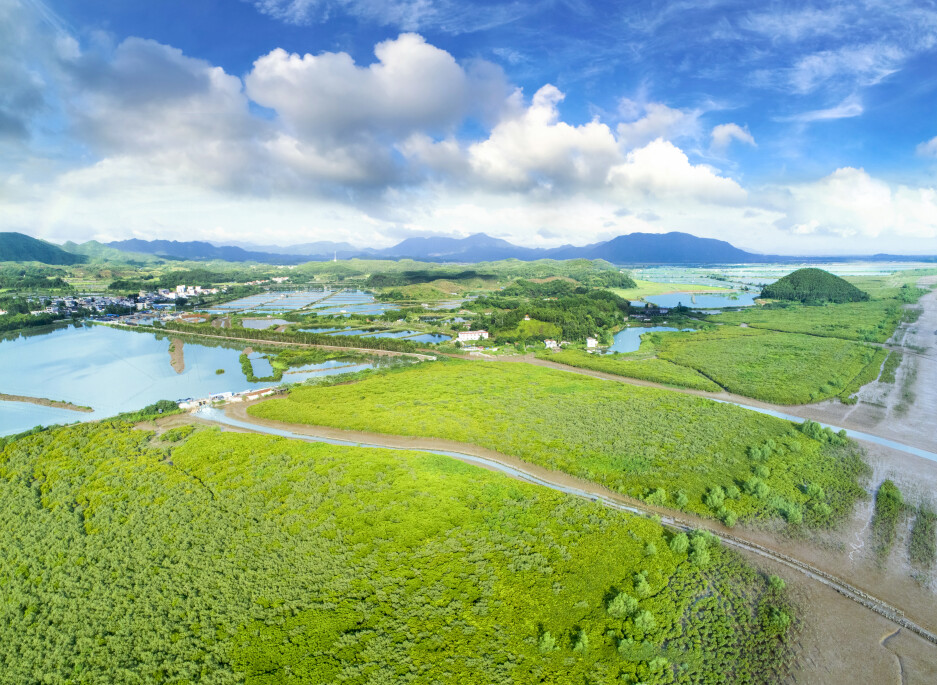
(177, 354)
(43, 402)
(338, 348)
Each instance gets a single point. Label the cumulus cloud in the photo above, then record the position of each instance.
(414, 86)
(928, 148)
(649, 121)
(849, 203)
(723, 134)
(536, 148)
(662, 170)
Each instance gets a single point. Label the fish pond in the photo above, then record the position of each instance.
(698, 301)
(113, 371)
(629, 339)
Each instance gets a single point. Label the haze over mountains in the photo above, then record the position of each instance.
(632, 249)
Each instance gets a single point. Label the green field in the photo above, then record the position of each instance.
(653, 444)
(231, 558)
(873, 321)
(647, 288)
(654, 370)
(783, 368)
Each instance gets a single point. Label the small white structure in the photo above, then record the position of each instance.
(551, 344)
(591, 343)
(465, 336)
(527, 317)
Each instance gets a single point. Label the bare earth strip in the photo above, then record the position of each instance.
(177, 354)
(42, 401)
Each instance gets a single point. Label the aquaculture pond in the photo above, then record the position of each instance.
(629, 339)
(708, 300)
(114, 371)
(261, 324)
(430, 338)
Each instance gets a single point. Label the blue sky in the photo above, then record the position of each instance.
(807, 127)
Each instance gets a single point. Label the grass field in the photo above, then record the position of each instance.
(643, 442)
(654, 370)
(647, 288)
(232, 558)
(872, 321)
(783, 368)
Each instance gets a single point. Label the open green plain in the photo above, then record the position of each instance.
(667, 448)
(784, 368)
(654, 370)
(231, 558)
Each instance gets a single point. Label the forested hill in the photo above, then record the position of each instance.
(813, 285)
(16, 247)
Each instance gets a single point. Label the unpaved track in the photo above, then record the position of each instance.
(738, 539)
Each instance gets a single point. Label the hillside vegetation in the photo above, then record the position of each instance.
(664, 447)
(231, 558)
(813, 285)
(16, 247)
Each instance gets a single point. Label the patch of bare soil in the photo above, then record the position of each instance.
(177, 354)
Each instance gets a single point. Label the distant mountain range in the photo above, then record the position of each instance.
(636, 248)
(632, 249)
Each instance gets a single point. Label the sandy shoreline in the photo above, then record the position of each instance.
(44, 402)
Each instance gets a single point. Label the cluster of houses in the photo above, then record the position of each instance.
(243, 396)
(73, 305)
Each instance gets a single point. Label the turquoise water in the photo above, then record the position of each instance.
(629, 339)
(709, 300)
(112, 371)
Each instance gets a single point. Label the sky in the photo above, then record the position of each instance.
(782, 127)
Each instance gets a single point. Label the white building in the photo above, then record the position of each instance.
(465, 336)
(551, 344)
(591, 343)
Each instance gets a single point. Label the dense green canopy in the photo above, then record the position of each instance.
(813, 285)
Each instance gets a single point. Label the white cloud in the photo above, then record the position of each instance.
(450, 16)
(928, 148)
(863, 65)
(723, 134)
(649, 121)
(848, 108)
(413, 86)
(661, 170)
(851, 204)
(536, 148)
(795, 25)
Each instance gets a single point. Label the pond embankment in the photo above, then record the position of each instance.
(44, 402)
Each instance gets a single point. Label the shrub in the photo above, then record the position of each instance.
(715, 497)
(622, 606)
(547, 642)
(679, 543)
